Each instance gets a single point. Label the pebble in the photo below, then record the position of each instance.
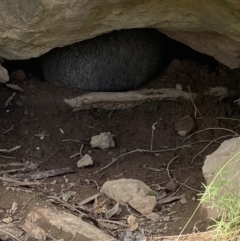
(174, 67)
(18, 75)
(153, 216)
(171, 185)
(123, 150)
(183, 200)
(185, 126)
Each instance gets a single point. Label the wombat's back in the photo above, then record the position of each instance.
(117, 61)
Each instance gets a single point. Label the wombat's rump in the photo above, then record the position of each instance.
(116, 61)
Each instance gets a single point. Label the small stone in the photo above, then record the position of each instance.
(85, 161)
(183, 200)
(18, 75)
(171, 185)
(132, 223)
(54, 182)
(103, 141)
(67, 195)
(123, 150)
(185, 126)
(174, 67)
(7, 220)
(166, 218)
(66, 180)
(164, 164)
(178, 87)
(153, 216)
(14, 208)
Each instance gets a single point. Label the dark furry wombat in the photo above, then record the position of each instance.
(116, 61)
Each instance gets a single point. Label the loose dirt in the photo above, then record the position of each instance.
(40, 109)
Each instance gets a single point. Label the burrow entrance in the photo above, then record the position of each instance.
(49, 134)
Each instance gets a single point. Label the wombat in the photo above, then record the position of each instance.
(117, 61)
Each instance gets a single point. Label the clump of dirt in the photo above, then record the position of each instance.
(49, 133)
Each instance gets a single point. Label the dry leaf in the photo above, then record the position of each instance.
(110, 226)
(109, 213)
(169, 199)
(89, 199)
(67, 195)
(101, 209)
(14, 208)
(132, 223)
(7, 220)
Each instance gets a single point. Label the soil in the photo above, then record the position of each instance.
(40, 109)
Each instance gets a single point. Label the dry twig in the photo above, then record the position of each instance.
(221, 137)
(140, 150)
(18, 183)
(211, 128)
(195, 107)
(153, 128)
(10, 150)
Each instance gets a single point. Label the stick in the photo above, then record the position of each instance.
(8, 157)
(153, 128)
(173, 179)
(122, 100)
(211, 128)
(18, 183)
(10, 150)
(9, 99)
(221, 137)
(195, 107)
(167, 169)
(140, 150)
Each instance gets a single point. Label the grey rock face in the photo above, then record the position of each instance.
(117, 61)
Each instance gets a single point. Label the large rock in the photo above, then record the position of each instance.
(221, 172)
(30, 28)
(133, 192)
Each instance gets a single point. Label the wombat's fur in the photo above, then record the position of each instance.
(116, 61)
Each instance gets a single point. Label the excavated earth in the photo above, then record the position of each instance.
(41, 112)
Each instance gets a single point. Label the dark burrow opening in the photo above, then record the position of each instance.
(173, 50)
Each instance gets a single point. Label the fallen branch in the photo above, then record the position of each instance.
(55, 199)
(123, 100)
(8, 157)
(44, 174)
(71, 225)
(18, 183)
(10, 150)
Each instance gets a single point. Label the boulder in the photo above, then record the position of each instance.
(31, 28)
(221, 172)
